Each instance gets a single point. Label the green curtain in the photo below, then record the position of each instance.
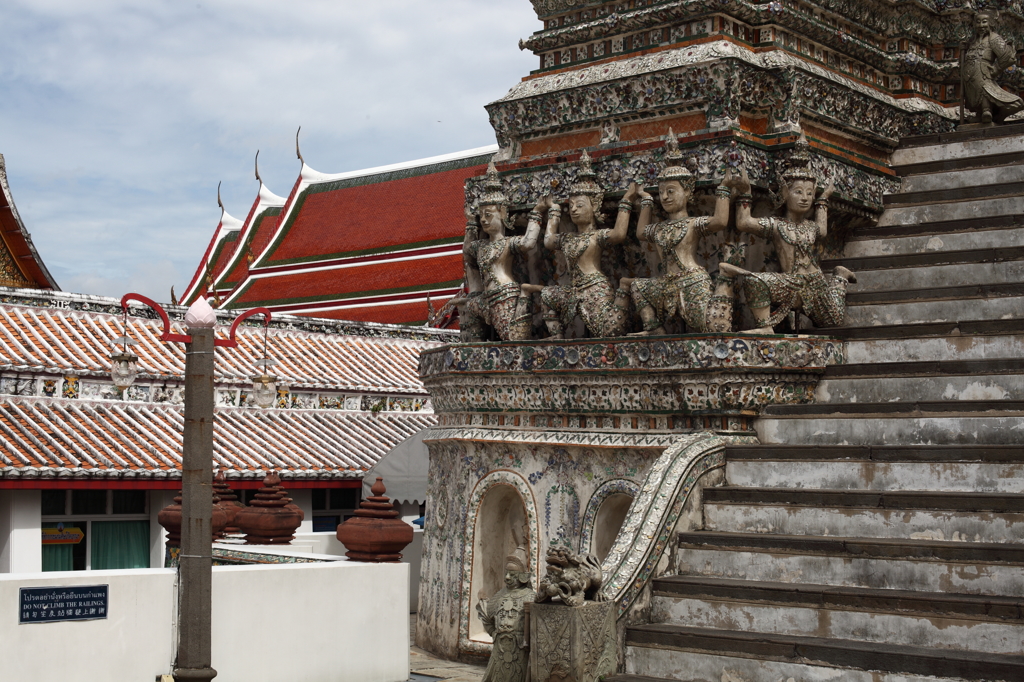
(58, 557)
(120, 544)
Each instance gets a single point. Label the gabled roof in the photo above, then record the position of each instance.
(43, 438)
(20, 264)
(368, 245)
(78, 342)
(218, 251)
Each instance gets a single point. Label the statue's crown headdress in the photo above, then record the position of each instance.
(586, 180)
(991, 12)
(493, 194)
(799, 164)
(674, 164)
(517, 560)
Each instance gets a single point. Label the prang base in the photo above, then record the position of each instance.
(572, 644)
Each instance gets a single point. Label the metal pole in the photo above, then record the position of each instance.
(195, 568)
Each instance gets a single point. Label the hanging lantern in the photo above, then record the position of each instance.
(264, 390)
(124, 364)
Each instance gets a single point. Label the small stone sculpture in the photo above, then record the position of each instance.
(686, 288)
(375, 534)
(800, 286)
(268, 520)
(504, 619)
(495, 298)
(571, 578)
(986, 57)
(603, 309)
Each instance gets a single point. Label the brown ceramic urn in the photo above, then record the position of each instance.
(170, 518)
(228, 502)
(375, 533)
(268, 520)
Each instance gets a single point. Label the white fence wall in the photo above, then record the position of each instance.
(322, 622)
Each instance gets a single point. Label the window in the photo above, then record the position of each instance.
(95, 529)
(331, 506)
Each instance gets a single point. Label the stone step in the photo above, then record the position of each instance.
(699, 654)
(945, 353)
(979, 145)
(993, 302)
(978, 209)
(940, 227)
(995, 569)
(963, 423)
(956, 468)
(938, 282)
(863, 246)
(962, 179)
(872, 389)
(970, 192)
(916, 515)
(969, 330)
(935, 620)
(927, 259)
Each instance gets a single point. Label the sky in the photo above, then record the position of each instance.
(119, 117)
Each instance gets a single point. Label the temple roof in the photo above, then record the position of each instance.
(46, 438)
(78, 342)
(371, 245)
(20, 264)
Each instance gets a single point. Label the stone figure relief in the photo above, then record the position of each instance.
(801, 286)
(988, 55)
(494, 297)
(504, 618)
(571, 578)
(604, 310)
(686, 288)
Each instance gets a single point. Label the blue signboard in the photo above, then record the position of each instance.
(54, 604)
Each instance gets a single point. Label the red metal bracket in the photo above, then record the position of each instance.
(167, 335)
(230, 341)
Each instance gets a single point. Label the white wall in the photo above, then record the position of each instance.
(135, 642)
(303, 499)
(21, 547)
(321, 622)
(327, 622)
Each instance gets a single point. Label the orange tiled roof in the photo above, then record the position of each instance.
(78, 343)
(47, 438)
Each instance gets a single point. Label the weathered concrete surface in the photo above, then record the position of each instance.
(875, 429)
(953, 275)
(971, 177)
(981, 477)
(934, 243)
(954, 526)
(935, 349)
(872, 390)
(882, 573)
(908, 630)
(964, 210)
(1005, 308)
(701, 667)
(957, 150)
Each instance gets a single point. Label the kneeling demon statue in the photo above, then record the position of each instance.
(571, 578)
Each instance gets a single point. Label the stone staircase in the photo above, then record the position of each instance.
(878, 535)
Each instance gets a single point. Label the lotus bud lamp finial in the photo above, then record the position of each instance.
(200, 315)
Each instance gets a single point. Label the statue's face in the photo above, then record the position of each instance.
(800, 196)
(982, 23)
(491, 219)
(672, 195)
(511, 579)
(581, 210)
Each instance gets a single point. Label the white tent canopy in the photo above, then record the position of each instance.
(404, 470)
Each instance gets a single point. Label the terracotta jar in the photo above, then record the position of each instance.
(170, 518)
(228, 502)
(375, 533)
(268, 520)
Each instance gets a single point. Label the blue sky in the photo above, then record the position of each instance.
(119, 117)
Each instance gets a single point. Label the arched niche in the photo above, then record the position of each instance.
(606, 512)
(500, 502)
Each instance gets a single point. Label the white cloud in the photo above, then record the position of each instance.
(118, 118)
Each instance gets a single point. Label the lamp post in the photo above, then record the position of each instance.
(195, 564)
